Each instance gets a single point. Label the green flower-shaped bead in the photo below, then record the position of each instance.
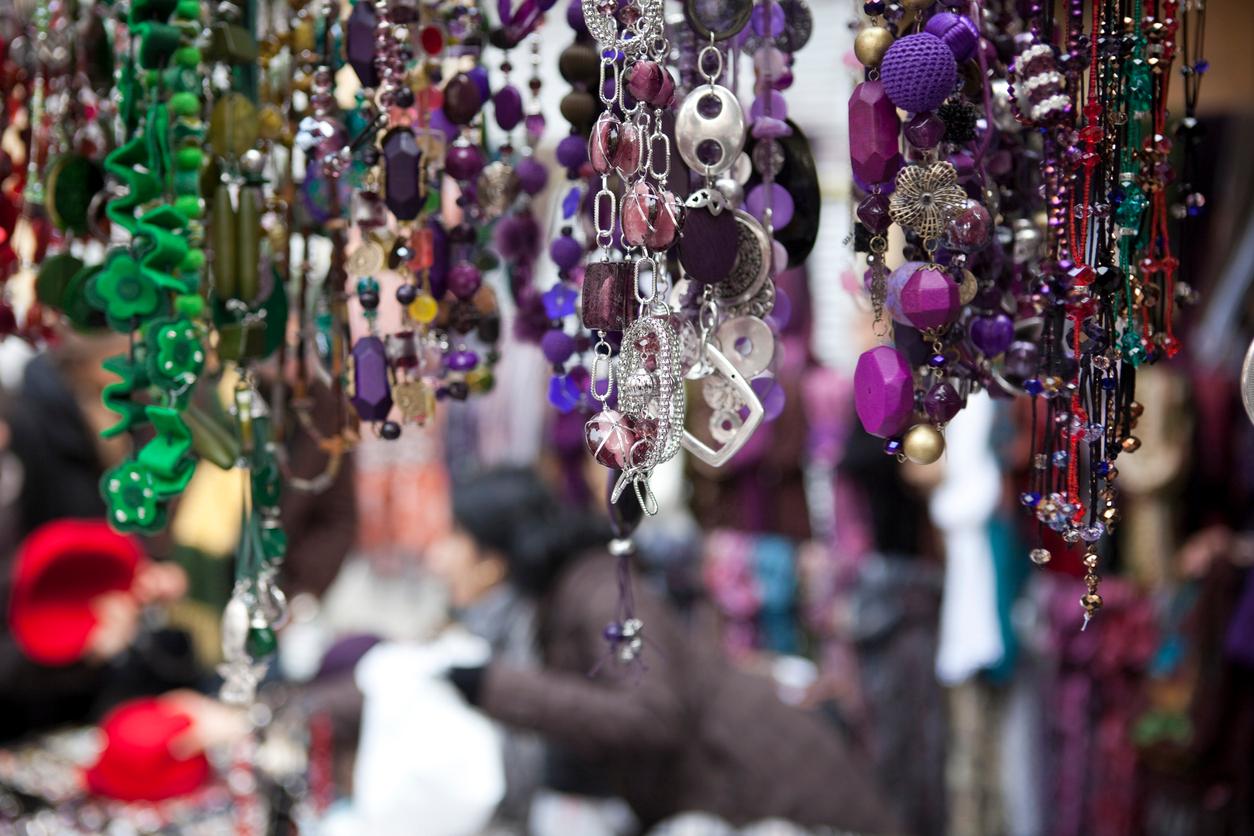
(124, 291)
(175, 354)
(133, 503)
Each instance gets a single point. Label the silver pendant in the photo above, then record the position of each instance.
(710, 129)
(748, 343)
(731, 436)
(753, 263)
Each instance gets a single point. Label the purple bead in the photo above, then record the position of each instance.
(462, 99)
(372, 394)
(778, 104)
(919, 72)
(464, 161)
(574, 17)
(883, 391)
(402, 191)
(1022, 359)
(440, 122)
(650, 82)
(781, 204)
(873, 212)
(929, 298)
(557, 346)
(892, 446)
(625, 516)
(925, 130)
(565, 252)
(572, 151)
(463, 361)
(559, 300)
(438, 274)
(479, 75)
(768, 127)
(534, 125)
(942, 402)
(957, 31)
(781, 314)
(464, 280)
(992, 335)
(507, 107)
(359, 43)
(760, 22)
(532, 175)
(874, 128)
(771, 395)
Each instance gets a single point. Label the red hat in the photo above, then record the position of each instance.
(136, 764)
(61, 567)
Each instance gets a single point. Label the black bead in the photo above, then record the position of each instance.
(406, 294)
(403, 97)
(390, 430)
(369, 300)
(959, 121)
(489, 329)
(370, 155)
(458, 390)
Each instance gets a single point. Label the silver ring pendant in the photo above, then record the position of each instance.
(753, 262)
(710, 129)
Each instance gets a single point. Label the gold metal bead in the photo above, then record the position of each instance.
(1130, 444)
(871, 44)
(1090, 560)
(1091, 601)
(1112, 474)
(923, 444)
(1110, 515)
(1040, 556)
(1136, 409)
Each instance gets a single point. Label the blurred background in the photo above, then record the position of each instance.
(959, 692)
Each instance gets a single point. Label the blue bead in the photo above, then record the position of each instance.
(1109, 384)
(1102, 468)
(1030, 499)
(1033, 387)
(892, 446)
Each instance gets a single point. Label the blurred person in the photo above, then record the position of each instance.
(687, 732)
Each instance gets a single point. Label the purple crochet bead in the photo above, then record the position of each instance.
(572, 151)
(557, 346)
(919, 72)
(957, 31)
(565, 252)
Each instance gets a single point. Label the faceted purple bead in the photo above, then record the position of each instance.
(463, 361)
(507, 107)
(372, 394)
(874, 128)
(942, 402)
(360, 44)
(883, 391)
(929, 298)
(925, 130)
(605, 295)
(464, 280)
(873, 212)
(402, 183)
(992, 334)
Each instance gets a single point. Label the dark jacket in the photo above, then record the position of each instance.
(688, 732)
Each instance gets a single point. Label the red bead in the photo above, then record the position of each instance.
(432, 40)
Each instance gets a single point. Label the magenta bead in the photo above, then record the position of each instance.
(874, 128)
(929, 298)
(650, 82)
(925, 130)
(464, 162)
(464, 279)
(883, 391)
(615, 146)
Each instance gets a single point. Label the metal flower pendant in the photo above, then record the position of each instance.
(926, 198)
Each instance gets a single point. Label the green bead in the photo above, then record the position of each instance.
(188, 206)
(188, 56)
(185, 104)
(189, 158)
(193, 262)
(188, 10)
(190, 305)
(261, 642)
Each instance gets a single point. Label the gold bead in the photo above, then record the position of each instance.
(1135, 409)
(1090, 561)
(917, 5)
(1110, 515)
(1112, 474)
(923, 444)
(1130, 444)
(871, 44)
(1040, 556)
(1091, 601)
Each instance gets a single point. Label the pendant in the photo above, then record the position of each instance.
(726, 425)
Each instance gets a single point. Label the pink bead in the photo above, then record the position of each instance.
(883, 391)
(609, 438)
(874, 131)
(615, 146)
(650, 217)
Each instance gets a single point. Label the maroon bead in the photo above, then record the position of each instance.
(464, 161)
(874, 128)
(462, 99)
(924, 130)
(609, 438)
(402, 191)
(615, 146)
(971, 228)
(372, 394)
(873, 212)
(606, 295)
